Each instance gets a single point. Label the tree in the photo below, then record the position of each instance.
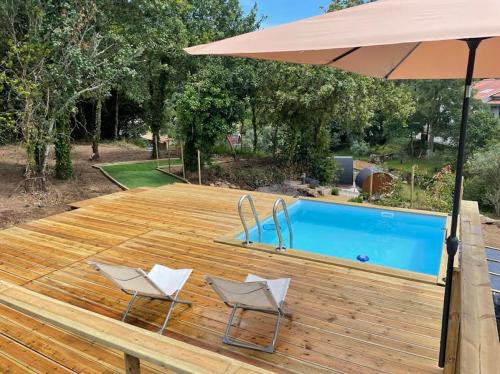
(114, 57)
(483, 169)
(342, 4)
(47, 53)
(217, 89)
(158, 31)
(206, 111)
(483, 129)
(305, 102)
(438, 103)
(394, 107)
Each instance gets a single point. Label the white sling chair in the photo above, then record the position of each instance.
(160, 283)
(255, 293)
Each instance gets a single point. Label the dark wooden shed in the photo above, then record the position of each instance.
(382, 181)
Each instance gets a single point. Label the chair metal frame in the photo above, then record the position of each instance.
(276, 309)
(227, 339)
(173, 300)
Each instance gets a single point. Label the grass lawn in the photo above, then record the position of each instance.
(426, 166)
(142, 174)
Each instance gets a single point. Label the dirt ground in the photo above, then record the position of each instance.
(491, 234)
(16, 206)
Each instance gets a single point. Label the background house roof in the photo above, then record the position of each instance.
(487, 89)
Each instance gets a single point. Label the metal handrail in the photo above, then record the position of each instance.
(243, 220)
(276, 225)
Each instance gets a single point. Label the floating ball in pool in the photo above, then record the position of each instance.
(363, 258)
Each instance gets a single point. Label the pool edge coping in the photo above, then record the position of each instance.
(229, 239)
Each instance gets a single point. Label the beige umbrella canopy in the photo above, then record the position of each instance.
(394, 39)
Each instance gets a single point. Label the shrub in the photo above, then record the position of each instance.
(323, 169)
(358, 199)
(396, 197)
(252, 174)
(7, 129)
(138, 142)
(484, 169)
(439, 195)
(360, 148)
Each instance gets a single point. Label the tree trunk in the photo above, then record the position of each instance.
(62, 147)
(156, 144)
(430, 141)
(254, 126)
(116, 116)
(97, 131)
(33, 179)
(275, 141)
(44, 153)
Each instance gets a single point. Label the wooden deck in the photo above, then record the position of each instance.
(343, 320)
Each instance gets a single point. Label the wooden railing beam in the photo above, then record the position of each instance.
(479, 346)
(136, 343)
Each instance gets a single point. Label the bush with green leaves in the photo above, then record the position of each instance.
(395, 197)
(323, 168)
(483, 184)
(360, 148)
(439, 196)
(7, 129)
(252, 174)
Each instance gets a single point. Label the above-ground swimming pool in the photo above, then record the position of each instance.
(394, 239)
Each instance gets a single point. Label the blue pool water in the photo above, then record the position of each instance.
(399, 240)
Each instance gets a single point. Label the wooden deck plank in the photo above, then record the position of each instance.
(344, 319)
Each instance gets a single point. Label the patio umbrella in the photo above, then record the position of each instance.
(392, 39)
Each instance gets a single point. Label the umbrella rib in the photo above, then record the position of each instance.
(342, 55)
(402, 60)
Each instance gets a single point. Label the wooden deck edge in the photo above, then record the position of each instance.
(330, 260)
(133, 341)
(174, 175)
(132, 162)
(479, 344)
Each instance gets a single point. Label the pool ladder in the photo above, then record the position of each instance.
(244, 221)
(277, 203)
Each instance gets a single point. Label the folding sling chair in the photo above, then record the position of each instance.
(257, 294)
(160, 283)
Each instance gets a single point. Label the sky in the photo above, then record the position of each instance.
(283, 11)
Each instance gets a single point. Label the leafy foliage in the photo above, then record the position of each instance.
(483, 168)
(206, 111)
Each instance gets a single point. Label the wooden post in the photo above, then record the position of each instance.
(371, 185)
(453, 338)
(182, 161)
(157, 158)
(412, 184)
(168, 153)
(199, 167)
(132, 365)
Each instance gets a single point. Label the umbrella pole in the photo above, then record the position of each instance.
(452, 242)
